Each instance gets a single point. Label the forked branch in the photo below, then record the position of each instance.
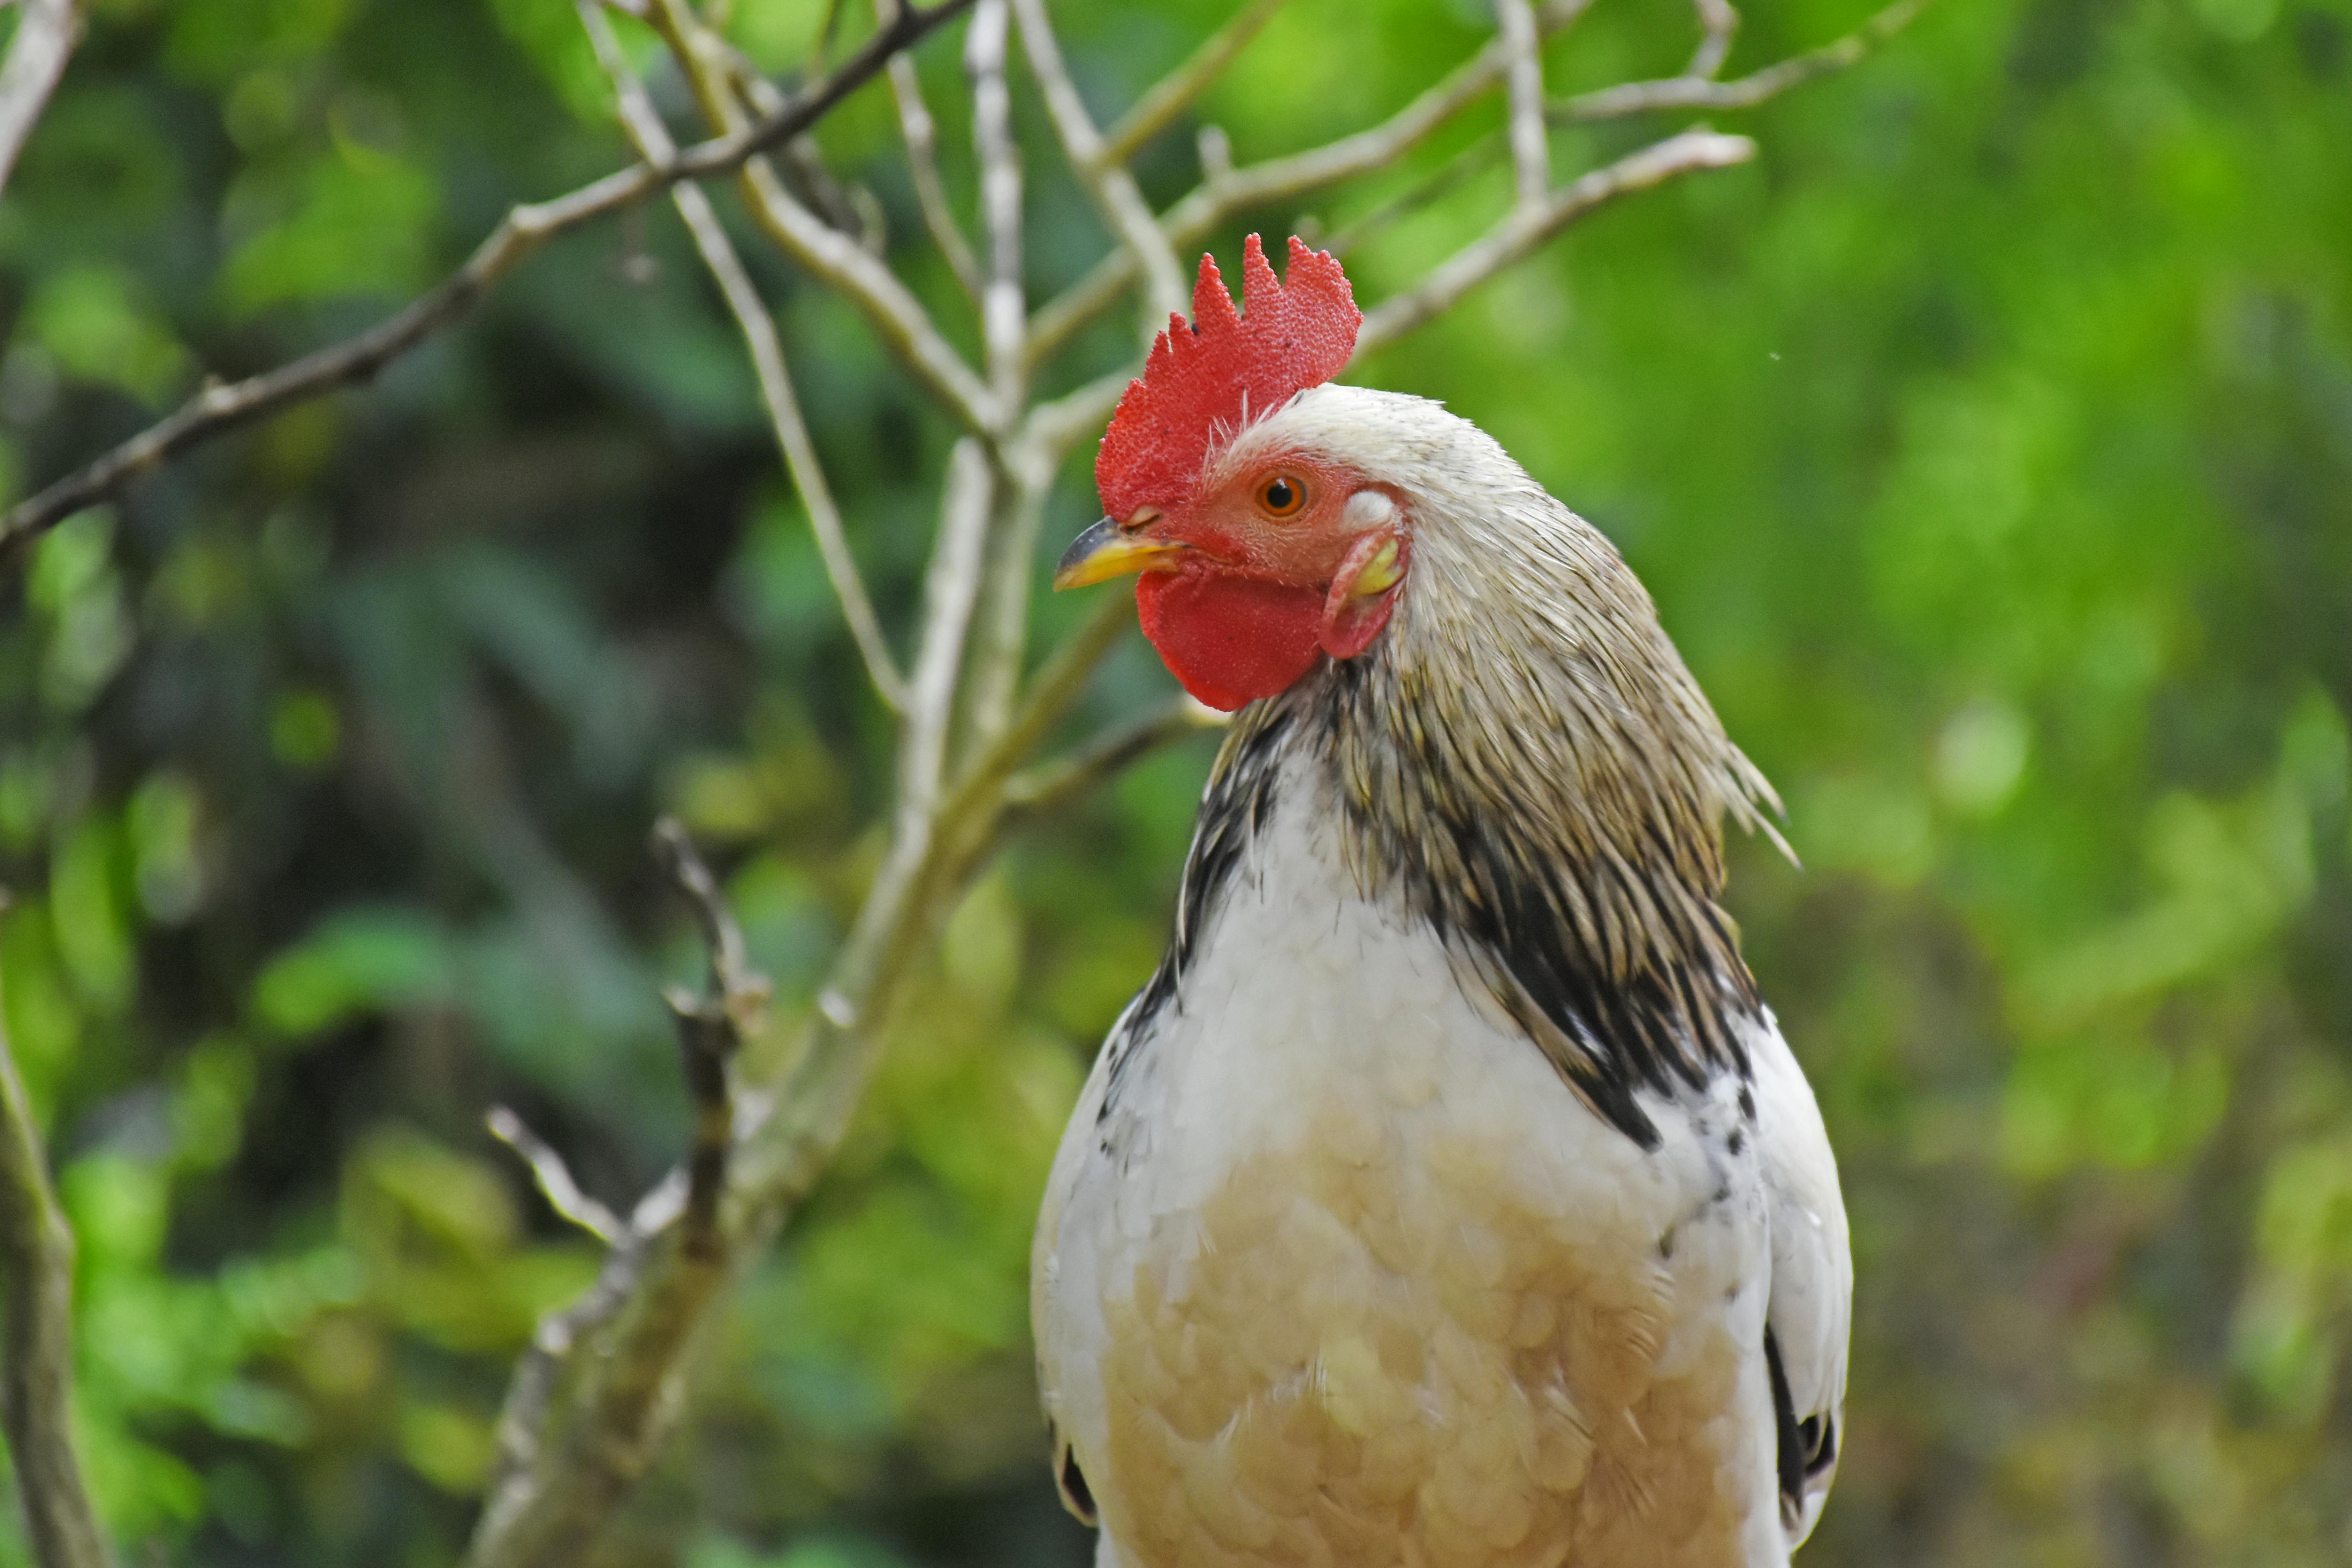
(832, 256)
(921, 134)
(1718, 21)
(766, 349)
(1107, 181)
(1694, 91)
(1176, 92)
(1528, 228)
(1226, 191)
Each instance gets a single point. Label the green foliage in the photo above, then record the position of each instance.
(357, 220)
(1988, 446)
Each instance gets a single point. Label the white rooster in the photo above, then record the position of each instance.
(1449, 1196)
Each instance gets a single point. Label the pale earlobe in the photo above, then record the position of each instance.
(1367, 510)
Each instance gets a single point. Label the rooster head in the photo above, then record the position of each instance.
(1253, 554)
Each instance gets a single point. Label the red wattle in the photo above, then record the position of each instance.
(1230, 640)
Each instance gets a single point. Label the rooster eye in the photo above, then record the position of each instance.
(1282, 496)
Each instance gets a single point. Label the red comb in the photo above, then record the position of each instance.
(1223, 371)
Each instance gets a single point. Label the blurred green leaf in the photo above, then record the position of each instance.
(359, 960)
(99, 325)
(363, 222)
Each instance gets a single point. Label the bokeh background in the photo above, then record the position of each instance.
(1986, 443)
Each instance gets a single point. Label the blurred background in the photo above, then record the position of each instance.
(1987, 444)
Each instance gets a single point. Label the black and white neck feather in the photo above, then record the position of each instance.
(1522, 761)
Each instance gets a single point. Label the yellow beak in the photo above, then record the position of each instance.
(1107, 551)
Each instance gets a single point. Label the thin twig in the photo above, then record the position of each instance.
(1039, 792)
(1226, 192)
(978, 794)
(552, 1176)
(37, 1355)
(1003, 307)
(47, 31)
(852, 209)
(1001, 609)
(951, 589)
(1113, 189)
(1525, 228)
(1448, 176)
(710, 1032)
(922, 138)
(1687, 92)
(1717, 21)
(766, 348)
(616, 1359)
(1530, 137)
(1051, 427)
(521, 1426)
(1002, 632)
(835, 259)
(744, 989)
(1172, 94)
(222, 407)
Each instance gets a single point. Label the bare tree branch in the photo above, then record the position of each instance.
(37, 1355)
(1172, 94)
(1743, 92)
(579, 1429)
(1719, 20)
(834, 258)
(1001, 629)
(1038, 793)
(1530, 137)
(47, 31)
(1528, 227)
(978, 796)
(1112, 187)
(552, 1176)
(951, 589)
(766, 348)
(1014, 503)
(1003, 307)
(1226, 192)
(852, 209)
(920, 132)
(222, 406)
(710, 1032)
(1448, 176)
(1051, 427)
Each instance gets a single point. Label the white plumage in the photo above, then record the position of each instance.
(1318, 1028)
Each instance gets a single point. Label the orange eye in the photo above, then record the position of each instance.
(1282, 496)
